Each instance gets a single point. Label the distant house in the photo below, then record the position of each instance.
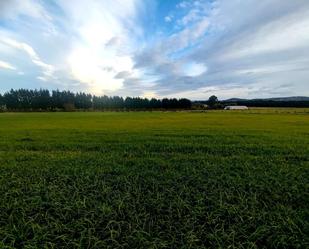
(236, 107)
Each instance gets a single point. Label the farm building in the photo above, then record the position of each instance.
(236, 107)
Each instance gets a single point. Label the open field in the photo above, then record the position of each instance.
(155, 179)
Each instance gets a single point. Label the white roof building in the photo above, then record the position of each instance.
(236, 107)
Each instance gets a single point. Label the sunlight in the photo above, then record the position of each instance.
(98, 71)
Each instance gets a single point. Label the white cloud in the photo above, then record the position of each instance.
(114, 46)
(247, 47)
(168, 18)
(47, 69)
(192, 16)
(183, 4)
(12, 9)
(106, 32)
(16, 11)
(42, 78)
(6, 65)
(279, 35)
(194, 69)
(98, 73)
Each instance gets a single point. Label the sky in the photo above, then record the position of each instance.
(157, 48)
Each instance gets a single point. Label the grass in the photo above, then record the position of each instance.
(155, 180)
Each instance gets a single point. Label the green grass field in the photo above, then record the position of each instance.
(155, 179)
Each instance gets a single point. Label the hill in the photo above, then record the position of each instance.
(293, 98)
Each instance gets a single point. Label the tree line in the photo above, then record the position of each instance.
(214, 103)
(28, 100)
(269, 103)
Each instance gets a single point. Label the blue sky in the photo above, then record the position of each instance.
(157, 48)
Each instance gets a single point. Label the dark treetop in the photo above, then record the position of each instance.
(24, 99)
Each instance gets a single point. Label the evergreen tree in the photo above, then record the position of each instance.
(42, 99)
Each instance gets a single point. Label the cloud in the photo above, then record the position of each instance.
(194, 69)
(20, 12)
(273, 48)
(183, 4)
(12, 9)
(47, 69)
(92, 43)
(202, 47)
(244, 45)
(113, 42)
(168, 18)
(6, 65)
(106, 31)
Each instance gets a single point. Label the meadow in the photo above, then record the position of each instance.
(214, 179)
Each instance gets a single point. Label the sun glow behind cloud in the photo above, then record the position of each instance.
(156, 47)
(99, 71)
(104, 47)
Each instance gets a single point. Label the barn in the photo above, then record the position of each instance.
(236, 107)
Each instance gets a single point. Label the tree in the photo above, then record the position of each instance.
(155, 103)
(83, 101)
(185, 103)
(11, 99)
(32, 100)
(213, 101)
(2, 103)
